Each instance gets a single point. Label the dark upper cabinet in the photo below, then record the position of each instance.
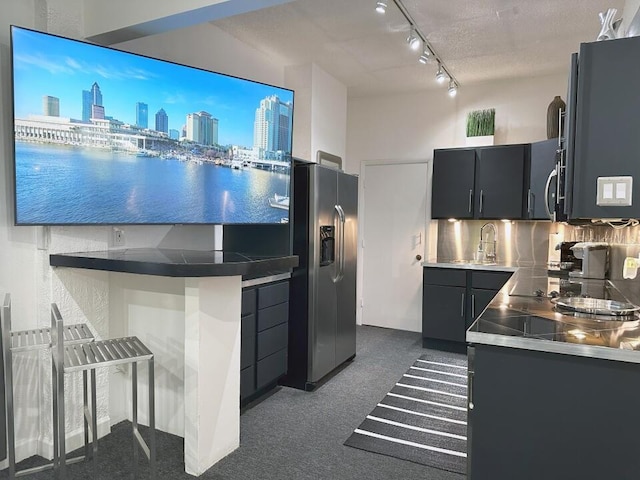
(607, 143)
(500, 179)
(485, 183)
(453, 183)
(543, 162)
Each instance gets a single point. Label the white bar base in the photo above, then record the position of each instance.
(211, 370)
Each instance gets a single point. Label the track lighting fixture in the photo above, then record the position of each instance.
(424, 58)
(453, 88)
(440, 75)
(417, 40)
(381, 6)
(413, 40)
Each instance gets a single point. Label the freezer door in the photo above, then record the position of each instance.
(347, 242)
(322, 291)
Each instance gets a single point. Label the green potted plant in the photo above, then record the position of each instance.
(481, 127)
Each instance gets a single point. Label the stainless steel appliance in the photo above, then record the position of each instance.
(563, 260)
(322, 305)
(595, 259)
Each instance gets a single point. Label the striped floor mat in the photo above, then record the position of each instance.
(423, 419)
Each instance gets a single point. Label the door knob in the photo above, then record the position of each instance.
(418, 257)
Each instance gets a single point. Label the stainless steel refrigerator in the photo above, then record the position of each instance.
(322, 301)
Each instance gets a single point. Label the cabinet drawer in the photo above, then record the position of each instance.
(445, 276)
(273, 294)
(248, 301)
(489, 280)
(272, 340)
(247, 381)
(272, 316)
(270, 368)
(248, 341)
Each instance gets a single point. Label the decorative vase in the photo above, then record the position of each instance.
(553, 117)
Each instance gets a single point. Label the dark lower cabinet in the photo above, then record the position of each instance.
(539, 415)
(452, 299)
(264, 338)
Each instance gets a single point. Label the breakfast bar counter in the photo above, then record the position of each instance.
(185, 305)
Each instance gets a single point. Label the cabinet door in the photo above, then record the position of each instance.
(606, 138)
(543, 161)
(478, 301)
(453, 179)
(443, 312)
(500, 181)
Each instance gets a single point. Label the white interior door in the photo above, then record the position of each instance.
(395, 203)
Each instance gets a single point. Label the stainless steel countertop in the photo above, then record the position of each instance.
(500, 267)
(522, 316)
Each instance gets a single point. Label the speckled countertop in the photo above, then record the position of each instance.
(523, 316)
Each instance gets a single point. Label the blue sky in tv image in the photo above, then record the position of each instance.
(102, 121)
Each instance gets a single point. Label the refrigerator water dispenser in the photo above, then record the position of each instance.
(327, 245)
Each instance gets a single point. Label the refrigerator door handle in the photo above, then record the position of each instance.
(340, 247)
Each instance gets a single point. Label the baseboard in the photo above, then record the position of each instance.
(74, 440)
(24, 449)
(44, 447)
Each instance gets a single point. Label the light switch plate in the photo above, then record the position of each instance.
(614, 191)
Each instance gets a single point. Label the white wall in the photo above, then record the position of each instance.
(329, 115)
(206, 46)
(410, 126)
(320, 116)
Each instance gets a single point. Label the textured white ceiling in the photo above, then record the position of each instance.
(479, 40)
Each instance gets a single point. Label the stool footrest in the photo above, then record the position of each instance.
(47, 466)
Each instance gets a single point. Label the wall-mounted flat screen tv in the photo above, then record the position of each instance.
(104, 136)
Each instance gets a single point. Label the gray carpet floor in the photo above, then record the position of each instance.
(292, 434)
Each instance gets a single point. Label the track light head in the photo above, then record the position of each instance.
(381, 6)
(453, 88)
(440, 75)
(413, 40)
(424, 58)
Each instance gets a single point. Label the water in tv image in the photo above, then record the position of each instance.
(108, 137)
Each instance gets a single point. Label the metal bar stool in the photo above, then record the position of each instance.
(21, 341)
(87, 357)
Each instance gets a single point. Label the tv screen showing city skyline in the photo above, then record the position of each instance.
(104, 136)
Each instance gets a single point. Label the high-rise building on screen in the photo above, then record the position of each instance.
(89, 99)
(273, 125)
(50, 106)
(162, 121)
(96, 94)
(142, 115)
(202, 128)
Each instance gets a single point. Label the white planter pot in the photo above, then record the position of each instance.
(480, 141)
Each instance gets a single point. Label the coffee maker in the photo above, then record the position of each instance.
(561, 259)
(595, 260)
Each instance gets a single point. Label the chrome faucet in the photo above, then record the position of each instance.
(485, 255)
